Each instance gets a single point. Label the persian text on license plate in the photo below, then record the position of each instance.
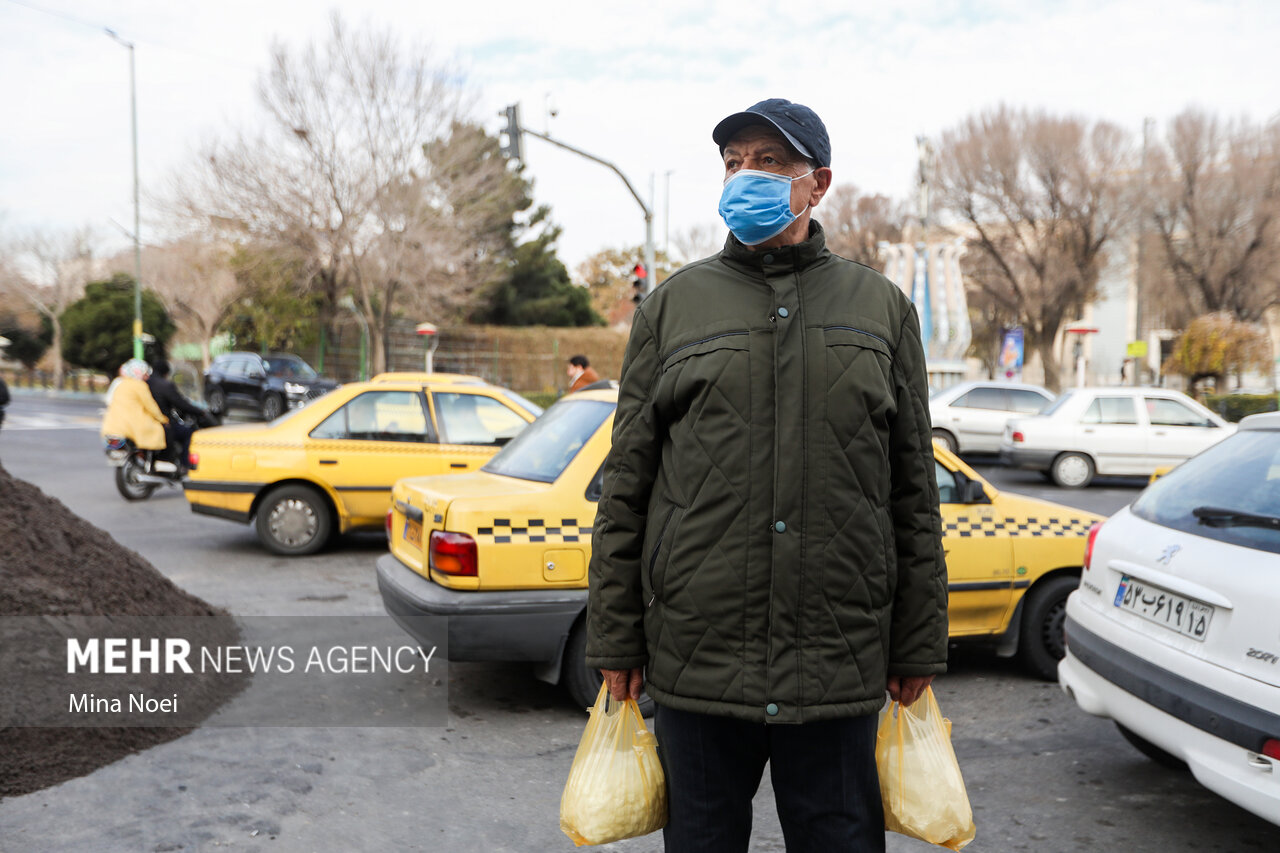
(413, 532)
(1175, 612)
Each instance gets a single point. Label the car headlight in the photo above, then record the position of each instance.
(294, 388)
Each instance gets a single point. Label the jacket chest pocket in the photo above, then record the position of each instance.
(858, 380)
(706, 385)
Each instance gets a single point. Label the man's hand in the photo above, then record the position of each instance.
(908, 688)
(624, 682)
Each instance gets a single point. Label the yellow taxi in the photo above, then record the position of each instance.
(329, 466)
(502, 553)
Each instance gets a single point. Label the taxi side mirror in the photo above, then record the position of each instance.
(971, 492)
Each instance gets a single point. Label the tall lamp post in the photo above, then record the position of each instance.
(137, 242)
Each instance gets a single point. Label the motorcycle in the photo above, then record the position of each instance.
(140, 472)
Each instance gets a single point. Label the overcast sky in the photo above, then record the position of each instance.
(640, 84)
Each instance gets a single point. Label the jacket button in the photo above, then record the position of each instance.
(771, 709)
(782, 312)
(768, 259)
(780, 526)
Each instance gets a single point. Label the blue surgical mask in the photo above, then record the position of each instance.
(757, 205)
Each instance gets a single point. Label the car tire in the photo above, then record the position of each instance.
(1150, 750)
(217, 401)
(272, 407)
(1042, 641)
(583, 682)
(294, 520)
(947, 440)
(127, 481)
(1072, 470)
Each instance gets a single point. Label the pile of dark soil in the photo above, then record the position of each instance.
(56, 569)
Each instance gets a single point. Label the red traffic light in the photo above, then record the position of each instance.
(639, 271)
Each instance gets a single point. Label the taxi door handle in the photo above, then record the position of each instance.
(458, 465)
(1260, 762)
(328, 461)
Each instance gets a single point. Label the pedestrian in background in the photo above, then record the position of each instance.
(767, 556)
(581, 373)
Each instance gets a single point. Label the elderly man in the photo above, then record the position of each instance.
(767, 555)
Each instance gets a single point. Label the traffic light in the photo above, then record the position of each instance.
(638, 283)
(511, 150)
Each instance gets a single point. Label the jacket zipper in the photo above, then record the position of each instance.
(703, 341)
(859, 331)
(653, 558)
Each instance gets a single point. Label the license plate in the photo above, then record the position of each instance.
(1177, 613)
(413, 532)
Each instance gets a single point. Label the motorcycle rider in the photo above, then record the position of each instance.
(171, 401)
(132, 412)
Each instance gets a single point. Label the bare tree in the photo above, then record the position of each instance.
(855, 224)
(58, 264)
(195, 281)
(699, 241)
(339, 174)
(1040, 197)
(1216, 209)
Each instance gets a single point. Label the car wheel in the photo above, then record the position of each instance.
(217, 401)
(1072, 470)
(1150, 750)
(1044, 612)
(583, 682)
(128, 483)
(947, 440)
(294, 520)
(272, 407)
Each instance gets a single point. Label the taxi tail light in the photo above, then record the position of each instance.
(1271, 749)
(1088, 545)
(390, 513)
(1017, 436)
(193, 460)
(453, 554)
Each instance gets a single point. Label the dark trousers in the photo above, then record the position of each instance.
(824, 779)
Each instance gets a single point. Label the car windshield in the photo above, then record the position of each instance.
(545, 448)
(1227, 493)
(290, 368)
(1057, 404)
(530, 407)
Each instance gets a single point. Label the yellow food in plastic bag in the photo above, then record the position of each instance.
(920, 782)
(616, 788)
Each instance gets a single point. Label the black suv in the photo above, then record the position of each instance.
(269, 384)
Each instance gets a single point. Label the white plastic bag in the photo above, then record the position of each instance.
(616, 788)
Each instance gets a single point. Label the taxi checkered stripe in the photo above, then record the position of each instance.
(1031, 526)
(534, 530)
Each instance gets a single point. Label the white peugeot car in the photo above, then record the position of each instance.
(1174, 631)
(1111, 431)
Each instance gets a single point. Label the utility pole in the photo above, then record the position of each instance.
(1139, 284)
(137, 226)
(513, 150)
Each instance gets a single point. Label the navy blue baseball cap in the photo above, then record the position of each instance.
(798, 124)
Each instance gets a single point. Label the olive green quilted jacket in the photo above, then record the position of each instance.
(768, 543)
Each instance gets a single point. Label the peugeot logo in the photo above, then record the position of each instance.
(1167, 555)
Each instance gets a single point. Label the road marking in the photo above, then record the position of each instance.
(48, 421)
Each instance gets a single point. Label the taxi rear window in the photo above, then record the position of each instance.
(545, 448)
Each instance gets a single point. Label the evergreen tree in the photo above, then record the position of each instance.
(538, 291)
(97, 329)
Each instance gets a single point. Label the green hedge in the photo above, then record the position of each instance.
(1233, 407)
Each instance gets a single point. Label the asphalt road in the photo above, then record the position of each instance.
(1042, 775)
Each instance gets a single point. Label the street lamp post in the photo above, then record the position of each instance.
(137, 226)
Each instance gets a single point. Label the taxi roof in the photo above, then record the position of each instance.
(424, 378)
